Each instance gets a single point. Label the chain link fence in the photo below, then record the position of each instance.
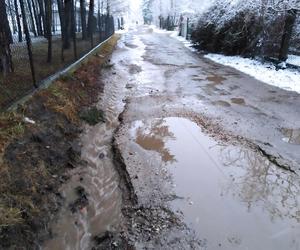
(41, 37)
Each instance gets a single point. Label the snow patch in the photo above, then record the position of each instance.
(188, 44)
(293, 59)
(266, 72)
(28, 120)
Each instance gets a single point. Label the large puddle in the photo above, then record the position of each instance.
(232, 197)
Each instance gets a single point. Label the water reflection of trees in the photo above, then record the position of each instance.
(259, 182)
(153, 136)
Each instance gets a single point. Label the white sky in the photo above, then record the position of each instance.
(135, 10)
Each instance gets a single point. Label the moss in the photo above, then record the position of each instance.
(66, 77)
(93, 116)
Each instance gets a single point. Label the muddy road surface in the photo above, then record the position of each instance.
(194, 155)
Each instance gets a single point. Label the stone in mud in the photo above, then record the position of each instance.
(129, 86)
(82, 200)
(110, 240)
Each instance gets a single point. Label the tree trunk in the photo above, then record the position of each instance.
(67, 24)
(99, 26)
(48, 8)
(28, 41)
(90, 18)
(83, 19)
(37, 19)
(73, 28)
(13, 21)
(31, 18)
(61, 14)
(53, 20)
(287, 34)
(18, 21)
(42, 15)
(5, 41)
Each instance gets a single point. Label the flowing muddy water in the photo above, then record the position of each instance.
(99, 178)
(233, 197)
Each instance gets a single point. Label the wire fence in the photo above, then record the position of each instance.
(39, 38)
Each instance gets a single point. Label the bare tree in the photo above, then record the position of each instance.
(37, 19)
(31, 17)
(42, 15)
(28, 41)
(91, 17)
(83, 19)
(73, 28)
(13, 21)
(289, 24)
(48, 8)
(18, 21)
(5, 41)
(67, 23)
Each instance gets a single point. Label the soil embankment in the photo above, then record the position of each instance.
(39, 145)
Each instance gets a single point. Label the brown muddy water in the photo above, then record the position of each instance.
(233, 197)
(100, 180)
(98, 177)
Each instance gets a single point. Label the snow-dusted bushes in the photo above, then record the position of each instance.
(240, 28)
(295, 42)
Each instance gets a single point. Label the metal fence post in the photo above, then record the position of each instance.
(28, 42)
(74, 29)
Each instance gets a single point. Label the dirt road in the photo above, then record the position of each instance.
(207, 157)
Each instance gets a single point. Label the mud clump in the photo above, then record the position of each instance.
(292, 136)
(110, 240)
(239, 101)
(221, 103)
(82, 200)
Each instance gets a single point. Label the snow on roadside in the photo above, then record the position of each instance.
(293, 59)
(188, 44)
(286, 79)
(266, 72)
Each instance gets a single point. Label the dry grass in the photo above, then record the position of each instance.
(12, 126)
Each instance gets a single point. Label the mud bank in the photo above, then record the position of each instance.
(40, 147)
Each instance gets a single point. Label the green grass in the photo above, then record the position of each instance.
(93, 116)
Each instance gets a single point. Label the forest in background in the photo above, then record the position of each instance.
(40, 37)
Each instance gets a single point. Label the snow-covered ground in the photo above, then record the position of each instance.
(286, 79)
(293, 59)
